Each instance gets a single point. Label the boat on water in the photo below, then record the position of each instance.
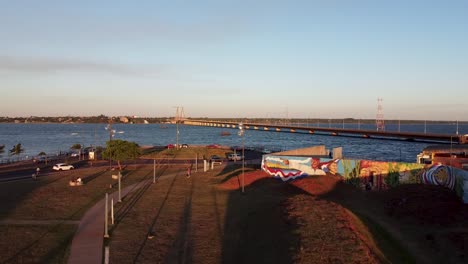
(451, 155)
(225, 133)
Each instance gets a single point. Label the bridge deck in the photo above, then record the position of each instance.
(411, 136)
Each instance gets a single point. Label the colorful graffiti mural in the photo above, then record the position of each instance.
(450, 177)
(366, 174)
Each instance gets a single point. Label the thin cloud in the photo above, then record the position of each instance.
(50, 65)
(435, 106)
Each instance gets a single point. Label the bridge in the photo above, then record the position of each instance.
(392, 135)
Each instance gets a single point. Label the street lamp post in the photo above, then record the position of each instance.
(177, 134)
(450, 150)
(111, 133)
(241, 133)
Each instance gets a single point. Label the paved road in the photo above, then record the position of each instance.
(25, 170)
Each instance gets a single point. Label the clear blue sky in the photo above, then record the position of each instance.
(326, 59)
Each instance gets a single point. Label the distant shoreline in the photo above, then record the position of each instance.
(165, 120)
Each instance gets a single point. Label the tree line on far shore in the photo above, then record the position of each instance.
(84, 119)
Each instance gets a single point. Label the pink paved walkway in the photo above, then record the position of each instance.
(88, 242)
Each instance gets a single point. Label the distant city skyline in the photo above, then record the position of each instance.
(238, 59)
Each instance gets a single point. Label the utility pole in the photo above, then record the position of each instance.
(242, 133)
(106, 229)
(111, 133)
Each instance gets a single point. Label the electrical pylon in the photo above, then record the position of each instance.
(380, 123)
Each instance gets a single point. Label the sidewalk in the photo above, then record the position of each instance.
(88, 242)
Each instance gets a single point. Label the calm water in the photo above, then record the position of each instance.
(56, 138)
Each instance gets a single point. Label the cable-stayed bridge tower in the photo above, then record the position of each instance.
(180, 115)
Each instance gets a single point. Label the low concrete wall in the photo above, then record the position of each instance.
(310, 151)
(367, 174)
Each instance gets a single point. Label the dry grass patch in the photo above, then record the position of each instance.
(50, 198)
(35, 244)
(187, 153)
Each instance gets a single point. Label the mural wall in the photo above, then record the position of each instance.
(366, 174)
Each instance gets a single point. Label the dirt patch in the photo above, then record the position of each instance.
(235, 182)
(432, 219)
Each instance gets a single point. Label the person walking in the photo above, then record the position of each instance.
(189, 171)
(35, 175)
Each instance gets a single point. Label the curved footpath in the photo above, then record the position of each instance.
(88, 242)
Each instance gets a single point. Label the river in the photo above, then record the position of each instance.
(56, 138)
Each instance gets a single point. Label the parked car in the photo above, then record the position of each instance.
(235, 156)
(170, 146)
(40, 159)
(62, 166)
(213, 146)
(216, 159)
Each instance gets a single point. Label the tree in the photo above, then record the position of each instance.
(121, 150)
(17, 149)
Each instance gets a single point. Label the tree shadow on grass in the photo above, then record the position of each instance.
(257, 228)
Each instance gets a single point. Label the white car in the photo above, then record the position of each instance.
(62, 166)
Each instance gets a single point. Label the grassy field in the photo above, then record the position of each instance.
(41, 216)
(186, 153)
(207, 219)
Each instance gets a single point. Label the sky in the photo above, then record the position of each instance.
(241, 59)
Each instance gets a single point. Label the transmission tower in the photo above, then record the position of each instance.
(380, 123)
